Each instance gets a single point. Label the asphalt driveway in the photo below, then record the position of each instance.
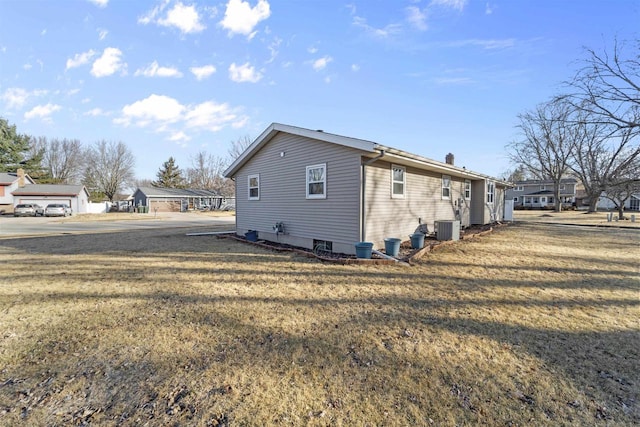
(11, 227)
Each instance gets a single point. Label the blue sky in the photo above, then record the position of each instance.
(172, 78)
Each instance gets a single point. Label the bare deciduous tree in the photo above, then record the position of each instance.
(63, 160)
(604, 156)
(624, 186)
(110, 167)
(548, 143)
(607, 86)
(238, 147)
(205, 171)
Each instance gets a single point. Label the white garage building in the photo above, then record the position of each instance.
(74, 196)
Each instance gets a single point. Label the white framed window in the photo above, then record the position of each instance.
(446, 187)
(519, 188)
(253, 187)
(398, 181)
(467, 189)
(491, 190)
(562, 187)
(317, 181)
(515, 200)
(543, 187)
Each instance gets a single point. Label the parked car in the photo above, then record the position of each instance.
(57, 209)
(28, 209)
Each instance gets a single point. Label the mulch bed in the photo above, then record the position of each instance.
(405, 256)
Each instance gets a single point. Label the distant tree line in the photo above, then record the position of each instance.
(206, 171)
(107, 168)
(591, 132)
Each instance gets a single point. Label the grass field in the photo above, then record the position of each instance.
(534, 324)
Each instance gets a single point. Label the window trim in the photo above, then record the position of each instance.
(323, 166)
(448, 187)
(519, 188)
(393, 181)
(249, 187)
(491, 190)
(467, 189)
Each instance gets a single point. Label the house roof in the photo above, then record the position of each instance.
(8, 178)
(369, 148)
(50, 190)
(545, 181)
(546, 193)
(176, 192)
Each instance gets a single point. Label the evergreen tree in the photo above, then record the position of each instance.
(169, 175)
(15, 151)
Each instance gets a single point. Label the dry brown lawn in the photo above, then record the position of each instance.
(531, 325)
(598, 219)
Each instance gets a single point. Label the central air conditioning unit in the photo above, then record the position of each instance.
(448, 230)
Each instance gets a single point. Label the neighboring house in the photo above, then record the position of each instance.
(631, 204)
(540, 193)
(177, 199)
(304, 187)
(9, 182)
(74, 196)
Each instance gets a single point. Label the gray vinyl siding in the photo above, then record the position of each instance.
(283, 193)
(399, 217)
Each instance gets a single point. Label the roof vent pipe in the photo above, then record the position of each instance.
(449, 159)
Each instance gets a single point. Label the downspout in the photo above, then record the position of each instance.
(363, 225)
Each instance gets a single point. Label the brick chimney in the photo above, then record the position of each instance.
(449, 159)
(21, 180)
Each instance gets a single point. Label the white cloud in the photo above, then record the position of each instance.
(241, 18)
(387, 31)
(273, 48)
(109, 63)
(154, 70)
(27, 66)
(485, 44)
(321, 63)
(185, 18)
(179, 137)
(95, 112)
(16, 97)
(102, 33)
(244, 73)
(355, 68)
(488, 10)
(42, 111)
(80, 59)
(151, 16)
(210, 116)
(453, 4)
(312, 50)
(417, 18)
(453, 80)
(166, 115)
(100, 3)
(155, 108)
(203, 72)
(43, 32)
